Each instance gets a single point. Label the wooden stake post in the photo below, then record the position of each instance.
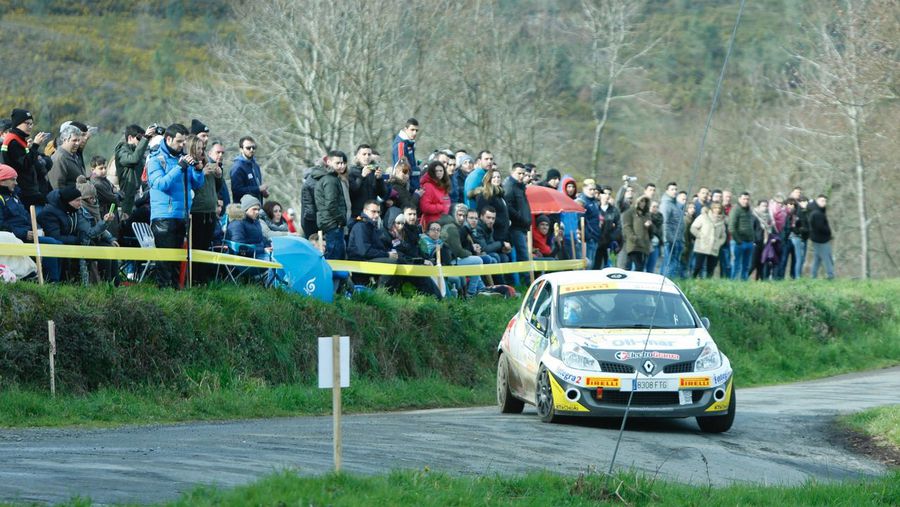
(51, 329)
(336, 398)
(584, 245)
(330, 375)
(37, 244)
(531, 252)
(442, 287)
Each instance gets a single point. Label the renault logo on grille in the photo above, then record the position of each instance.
(649, 366)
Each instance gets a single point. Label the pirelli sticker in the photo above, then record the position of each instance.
(609, 382)
(694, 382)
(582, 287)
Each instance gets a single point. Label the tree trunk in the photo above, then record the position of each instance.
(598, 130)
(860, 197)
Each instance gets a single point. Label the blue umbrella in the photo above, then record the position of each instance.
(305, 271)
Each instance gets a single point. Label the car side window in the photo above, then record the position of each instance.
(528, 307)
(542, 306)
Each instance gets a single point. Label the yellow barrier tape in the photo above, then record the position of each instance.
(377, 268)
(132, 254)
(370, 268)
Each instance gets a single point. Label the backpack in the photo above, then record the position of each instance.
(308, 204)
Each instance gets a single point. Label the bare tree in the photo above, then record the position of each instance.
(615, 53)
(304, 77)
(846, 71)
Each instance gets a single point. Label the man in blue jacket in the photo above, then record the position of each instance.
(172, 175)
(246, 176)
(405, 146)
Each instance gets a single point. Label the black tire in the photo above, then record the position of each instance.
(719, 423)
(544, 397)
(508, 403)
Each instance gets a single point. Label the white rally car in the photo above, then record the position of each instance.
(584, 342)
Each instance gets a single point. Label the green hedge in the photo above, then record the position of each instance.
(139, 336)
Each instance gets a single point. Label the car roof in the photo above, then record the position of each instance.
(621, 279)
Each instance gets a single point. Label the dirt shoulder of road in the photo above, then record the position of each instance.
(857, 442)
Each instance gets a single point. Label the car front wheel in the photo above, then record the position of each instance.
(719, 423)
(508, 403)
(544, 401)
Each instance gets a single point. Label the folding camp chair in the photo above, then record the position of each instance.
(237, 272)
(144, 238)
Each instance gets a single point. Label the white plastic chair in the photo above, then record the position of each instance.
(144, 237)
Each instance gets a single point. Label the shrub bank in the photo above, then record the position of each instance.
(140, 336)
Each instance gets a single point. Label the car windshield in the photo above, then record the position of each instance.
(624, 309)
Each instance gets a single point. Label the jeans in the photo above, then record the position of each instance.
(475, 283)
(601, 258)
(519, 241)
(743, 257)
(168, 233)
(781, 268)
(672, 255)
(726, 255)
(799, 255)
(334, 244)
(705, 265)
(203, 226)
(50, 265)
(637, 260)
(822, 255)
(591, 247)
(651, 259)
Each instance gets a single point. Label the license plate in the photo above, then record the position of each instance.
(663, 384)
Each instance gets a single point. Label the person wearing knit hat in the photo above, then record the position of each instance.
(20, 116)
(553, 177)
(15, 218)
(248, 201)
(248, 230)
(88, 196)
(199, 129)
(16, 153)
(5, 125)
(7, 173)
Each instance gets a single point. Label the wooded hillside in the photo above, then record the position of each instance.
(809, 96)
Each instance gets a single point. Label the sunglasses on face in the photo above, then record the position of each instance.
(249, 147)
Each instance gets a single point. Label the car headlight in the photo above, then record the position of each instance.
(574, 356)
(709, 359)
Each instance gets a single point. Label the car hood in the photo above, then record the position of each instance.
(634, 339)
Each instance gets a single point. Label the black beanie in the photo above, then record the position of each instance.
(553, 173)
(541, 219)
(19, 116)
(68, 194)
(198, 127)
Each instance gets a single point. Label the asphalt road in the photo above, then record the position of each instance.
(780, 436)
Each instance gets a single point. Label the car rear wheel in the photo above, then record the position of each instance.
(544, 395)
(508, 403)
(719, 423)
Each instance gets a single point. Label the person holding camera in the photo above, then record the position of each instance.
(20, 151)
(170, 173)
(129, 157)
(365, 180)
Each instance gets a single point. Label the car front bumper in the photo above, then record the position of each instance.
(598, 394)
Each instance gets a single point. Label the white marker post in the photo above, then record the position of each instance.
(334, 372)
(51, 329)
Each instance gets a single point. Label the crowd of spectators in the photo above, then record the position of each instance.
(453, 208)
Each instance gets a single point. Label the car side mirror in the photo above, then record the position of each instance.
(705, 322)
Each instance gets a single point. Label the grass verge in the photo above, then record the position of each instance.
(139, 355)
(882, 424)
(423, 488)
(113, 407)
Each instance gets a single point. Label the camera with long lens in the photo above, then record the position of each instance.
(630, 179)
